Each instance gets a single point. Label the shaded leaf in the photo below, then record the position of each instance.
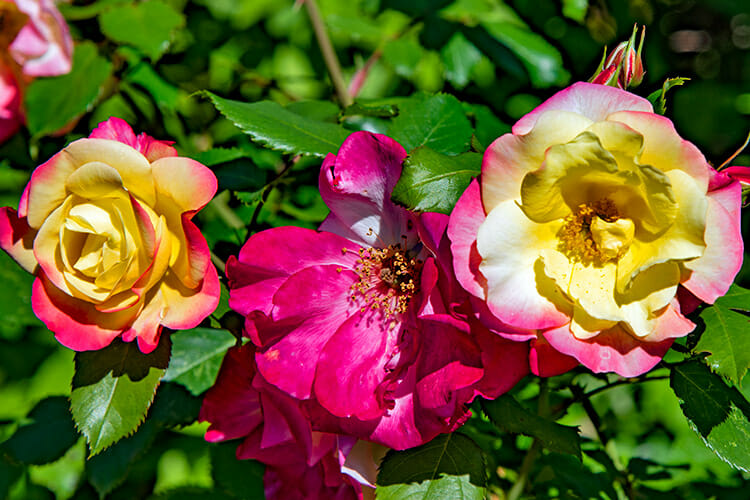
(47, 437)
(148, 26)
(449, 466)
(196, 357)
(436, 121)
(52, 103)
(240, 478)
(727, 335)
(111, 467)
(270, 124)
(568, 474)
(113, 389)
(433, 182)
(508, 415)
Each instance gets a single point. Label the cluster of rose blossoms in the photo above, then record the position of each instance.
(592, 230)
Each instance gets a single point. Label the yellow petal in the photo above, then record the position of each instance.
(95, 180)
(133, 167)
(511, 157)
(569, 175)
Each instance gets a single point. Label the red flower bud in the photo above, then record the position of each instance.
(623, 67)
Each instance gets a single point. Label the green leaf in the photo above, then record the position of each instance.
(15, 298)
(575, 10)
(111, 467)
(52, 103)
(717, 412)
(727, 335)
(217, 156)
(113, 389)
(659, 98)
(572, 477)
(196, 357)
(508, 415)
(433, 182)
(376, 108)
(542, 61)
(450, 466)
(271, 125)
(165, 95)
(46, 437)
(148, 26)
(460, 56)
(487, 126)
(241, 478)
(436, 121)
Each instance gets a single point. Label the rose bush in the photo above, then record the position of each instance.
(364, 318)
(105, 226)
(594, 228)
(35, 41)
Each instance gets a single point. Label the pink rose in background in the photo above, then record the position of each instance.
(11, 117)
(594, 227)
(43, 46)
(300, 463)
(105, 225)
(363, 321)
(35, 42)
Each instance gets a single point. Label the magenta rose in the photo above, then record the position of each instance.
(105, 225)
(364, 318)
(300, 463)
(594, 227)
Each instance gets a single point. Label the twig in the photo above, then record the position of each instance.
(329, 55)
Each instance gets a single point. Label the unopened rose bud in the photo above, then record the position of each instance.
(623, 67)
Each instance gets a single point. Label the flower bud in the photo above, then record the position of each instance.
(623, 68)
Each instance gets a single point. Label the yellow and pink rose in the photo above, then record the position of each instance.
(105, 225)
(593, 230)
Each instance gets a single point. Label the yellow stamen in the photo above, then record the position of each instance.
(575, 237)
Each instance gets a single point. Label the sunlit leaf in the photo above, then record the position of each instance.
(52, 103)
(113, 389)
(196, 357)
(436, 121)
(727, 335)
(270, 124)
(718, 413)
(433, 182)
(149, 26)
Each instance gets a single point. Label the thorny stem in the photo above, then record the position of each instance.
(329, 55)
(528, 461)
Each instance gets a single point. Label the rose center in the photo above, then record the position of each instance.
(388, 279)
(595, 233)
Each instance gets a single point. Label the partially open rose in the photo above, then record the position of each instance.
(594, 228)
(106, 226)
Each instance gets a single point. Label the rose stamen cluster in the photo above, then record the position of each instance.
(388, 279)
(595, 233)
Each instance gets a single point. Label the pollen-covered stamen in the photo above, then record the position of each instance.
(388, 279)
(595, 233)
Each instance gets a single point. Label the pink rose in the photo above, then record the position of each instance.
(43, 46)
(594, 227)
(11, 116)
(300, 463)
(105, 225)
(364, 318)
(35, 41)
